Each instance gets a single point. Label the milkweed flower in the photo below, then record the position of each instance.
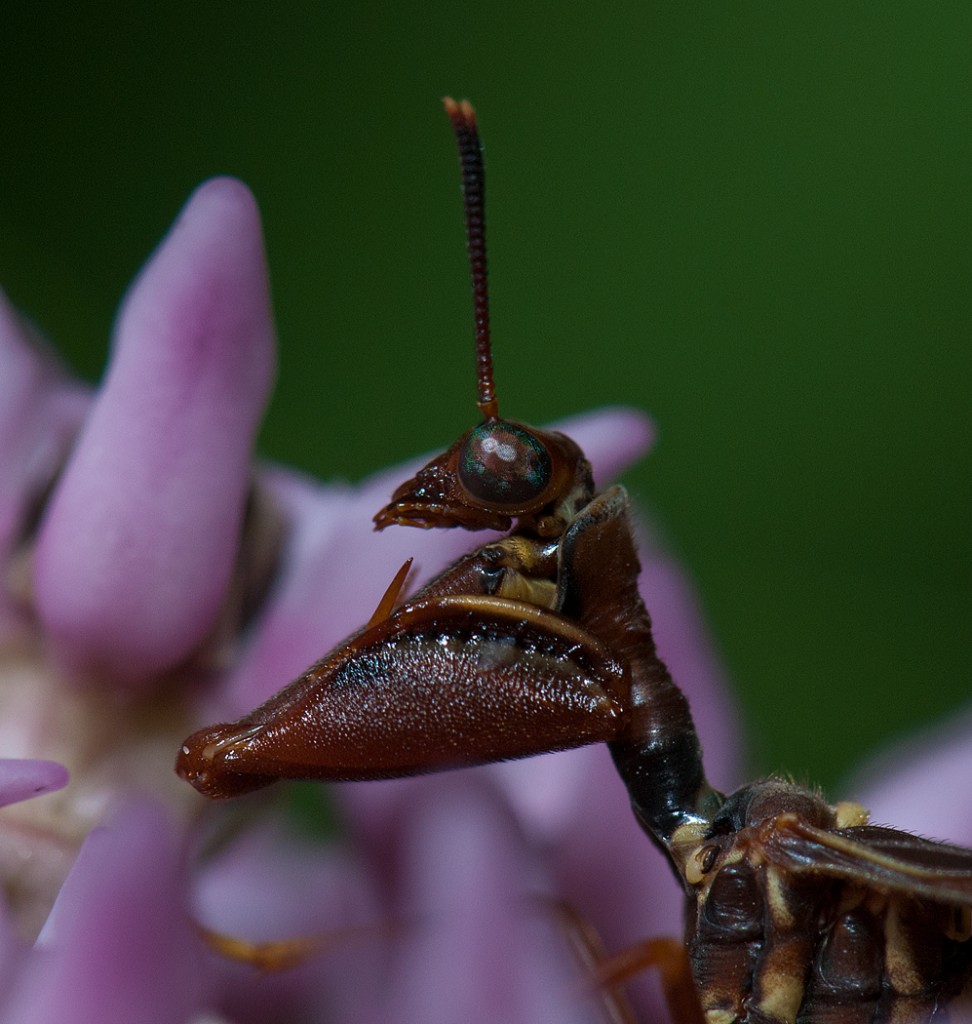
(924, 784)
(155, 579)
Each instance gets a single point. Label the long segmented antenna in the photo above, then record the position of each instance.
(463, 119)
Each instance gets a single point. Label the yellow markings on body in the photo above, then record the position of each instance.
(899, 962)
(686, 846)
(529, 571)
(717, 1015)
(695, 865)
(780, 976)
(782, 995)
(779, 906)
(518, 587)
(720, 1003)
(734, 856)
(850, 815)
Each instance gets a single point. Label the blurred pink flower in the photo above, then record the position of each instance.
(923, 785)
(156, 581)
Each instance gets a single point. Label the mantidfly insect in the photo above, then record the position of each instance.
(797, 911)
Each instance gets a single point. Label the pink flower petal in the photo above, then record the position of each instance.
(118, 947)
(479, 949)
(137, 546)
(22, 779)
(572, 810)
(269, 883)
(41, 410)
(12, 953)
(923, 785)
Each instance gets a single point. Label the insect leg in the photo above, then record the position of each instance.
(285, 954)
(607, 974)
(441, 683)
(670, 958)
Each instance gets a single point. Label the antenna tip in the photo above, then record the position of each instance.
(461, 111)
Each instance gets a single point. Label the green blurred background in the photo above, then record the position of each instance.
(753, 220)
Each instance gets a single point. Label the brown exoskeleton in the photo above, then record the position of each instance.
(539, 641)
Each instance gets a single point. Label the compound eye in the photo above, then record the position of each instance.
(503, 464)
